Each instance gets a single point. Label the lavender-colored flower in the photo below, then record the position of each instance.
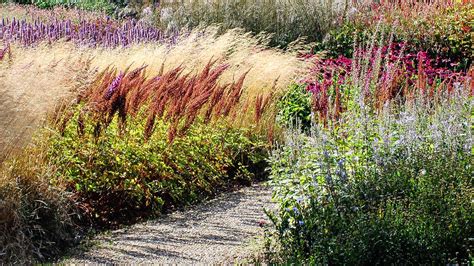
(106, 33)
(299, 200)
(341, 170)
(328, 179)
(113, 86)
(295, 210)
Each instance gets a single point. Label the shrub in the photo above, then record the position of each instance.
(136, 146)
(294, 107)
(121, 179)
(393, 188)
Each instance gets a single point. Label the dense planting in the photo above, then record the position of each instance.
(383, 173)
(106, 33)
(375, 74)
(391, 188)
(369, 150)
(287, 20)
(443, 29)
(134, 146)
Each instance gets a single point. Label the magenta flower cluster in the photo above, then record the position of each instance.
(396, 64)
(327, 71)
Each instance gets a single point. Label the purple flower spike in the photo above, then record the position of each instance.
(113, 86)
(106, 33)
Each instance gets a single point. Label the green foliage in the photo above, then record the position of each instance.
(294, 108)
(90, 5)
(445, 33)
(453, 36)
(122, 177)
(394, 188)
(340, 41)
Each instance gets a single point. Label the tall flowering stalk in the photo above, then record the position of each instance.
(105, 33)
(113, 87)
(176, 98)
(377, 75)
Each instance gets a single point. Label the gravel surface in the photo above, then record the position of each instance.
(216, 232)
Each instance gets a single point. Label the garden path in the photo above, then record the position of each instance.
(221, 231)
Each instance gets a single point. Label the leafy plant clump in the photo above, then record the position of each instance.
(121, 178)
(393, 188)
(135, 146)
(294, 107)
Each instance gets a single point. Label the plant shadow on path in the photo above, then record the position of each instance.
(213, 232)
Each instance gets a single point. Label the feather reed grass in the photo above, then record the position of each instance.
(286, 20)
(32, 81)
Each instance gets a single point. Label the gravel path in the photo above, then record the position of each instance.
(216, 232)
